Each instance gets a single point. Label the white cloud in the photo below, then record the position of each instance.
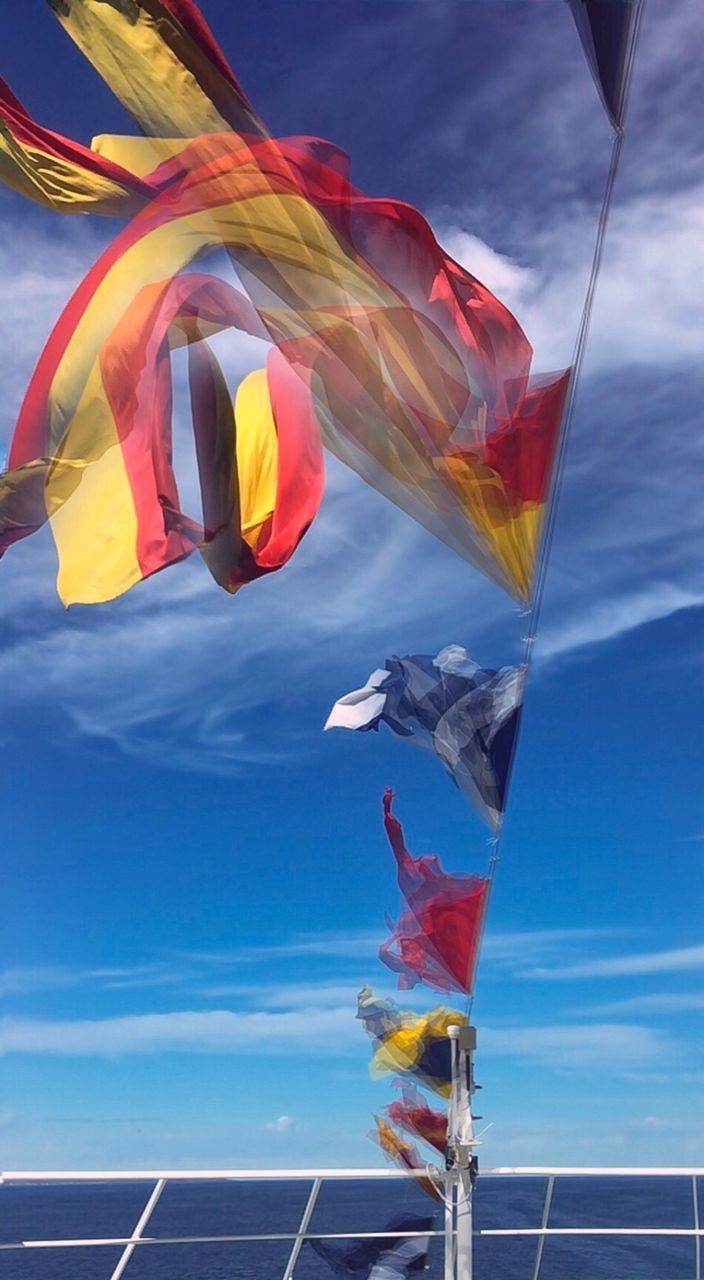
(632, 553)
(350, 944)
(528, 946)
(665, 1002)
(146, 673)
(288, 995)
(305, 1031)
(615, 618)
(209, 973)
(38, 272)
(648, 307)
(597, 1047)
(499, 950)
(312, 1031)
(27, 979)
(282, 1124)
(512, 283)
(677, 960)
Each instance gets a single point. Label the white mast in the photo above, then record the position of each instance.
(461, 1161)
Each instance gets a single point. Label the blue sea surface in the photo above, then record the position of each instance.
(99, 1210)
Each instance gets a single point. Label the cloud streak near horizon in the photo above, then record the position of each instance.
(311, 1031)
(211, 972)
(675, 960)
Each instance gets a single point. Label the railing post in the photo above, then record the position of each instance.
(697, 1238)
(136, 1234)
(543, 1226)
(304, 1225)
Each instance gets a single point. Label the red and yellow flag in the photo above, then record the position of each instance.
(109, 490)
(408, 368)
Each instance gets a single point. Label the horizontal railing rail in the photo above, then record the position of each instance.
(307, 1175)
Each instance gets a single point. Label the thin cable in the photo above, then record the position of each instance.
(558, 469)
(580, 347)
(552, 504)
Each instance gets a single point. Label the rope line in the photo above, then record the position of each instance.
(567, 420)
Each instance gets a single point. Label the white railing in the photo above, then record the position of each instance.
(160, 1179)
(317, 1177)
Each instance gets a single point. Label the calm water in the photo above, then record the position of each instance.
(95, 1210)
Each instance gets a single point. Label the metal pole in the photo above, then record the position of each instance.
(451, 1188)
(460, 1150)
(137, 1233)
(464, 1226)
(305, 1223)
(466, 1044)
(450, 1225)
(543, 1227)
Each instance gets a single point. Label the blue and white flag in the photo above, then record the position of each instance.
(464, 713)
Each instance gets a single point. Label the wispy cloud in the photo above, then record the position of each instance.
(616, 618)
(23, 979)
(589, 1048)
(303, 1031)
(632, 551)
(30, 979)
(665, 1002)
(507, 950)
(227, 973)
(648, 306)
(282, 1124)
(144, 675)
(343, 945)
(677, 960)
(291, 995)
(503, 950)
(310, 1031)
(38, 273)
(546, 68)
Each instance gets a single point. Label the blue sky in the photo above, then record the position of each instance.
(195, 876)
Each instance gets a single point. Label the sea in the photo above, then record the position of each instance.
(99, 1210)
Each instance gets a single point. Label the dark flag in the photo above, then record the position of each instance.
(607, 29)
(466, 715)
(388, 1257)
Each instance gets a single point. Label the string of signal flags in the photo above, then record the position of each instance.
(382, 349)
(468, 717)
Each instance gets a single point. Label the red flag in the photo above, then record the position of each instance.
(402, 1153)
(413, 1114)
(437, 940)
